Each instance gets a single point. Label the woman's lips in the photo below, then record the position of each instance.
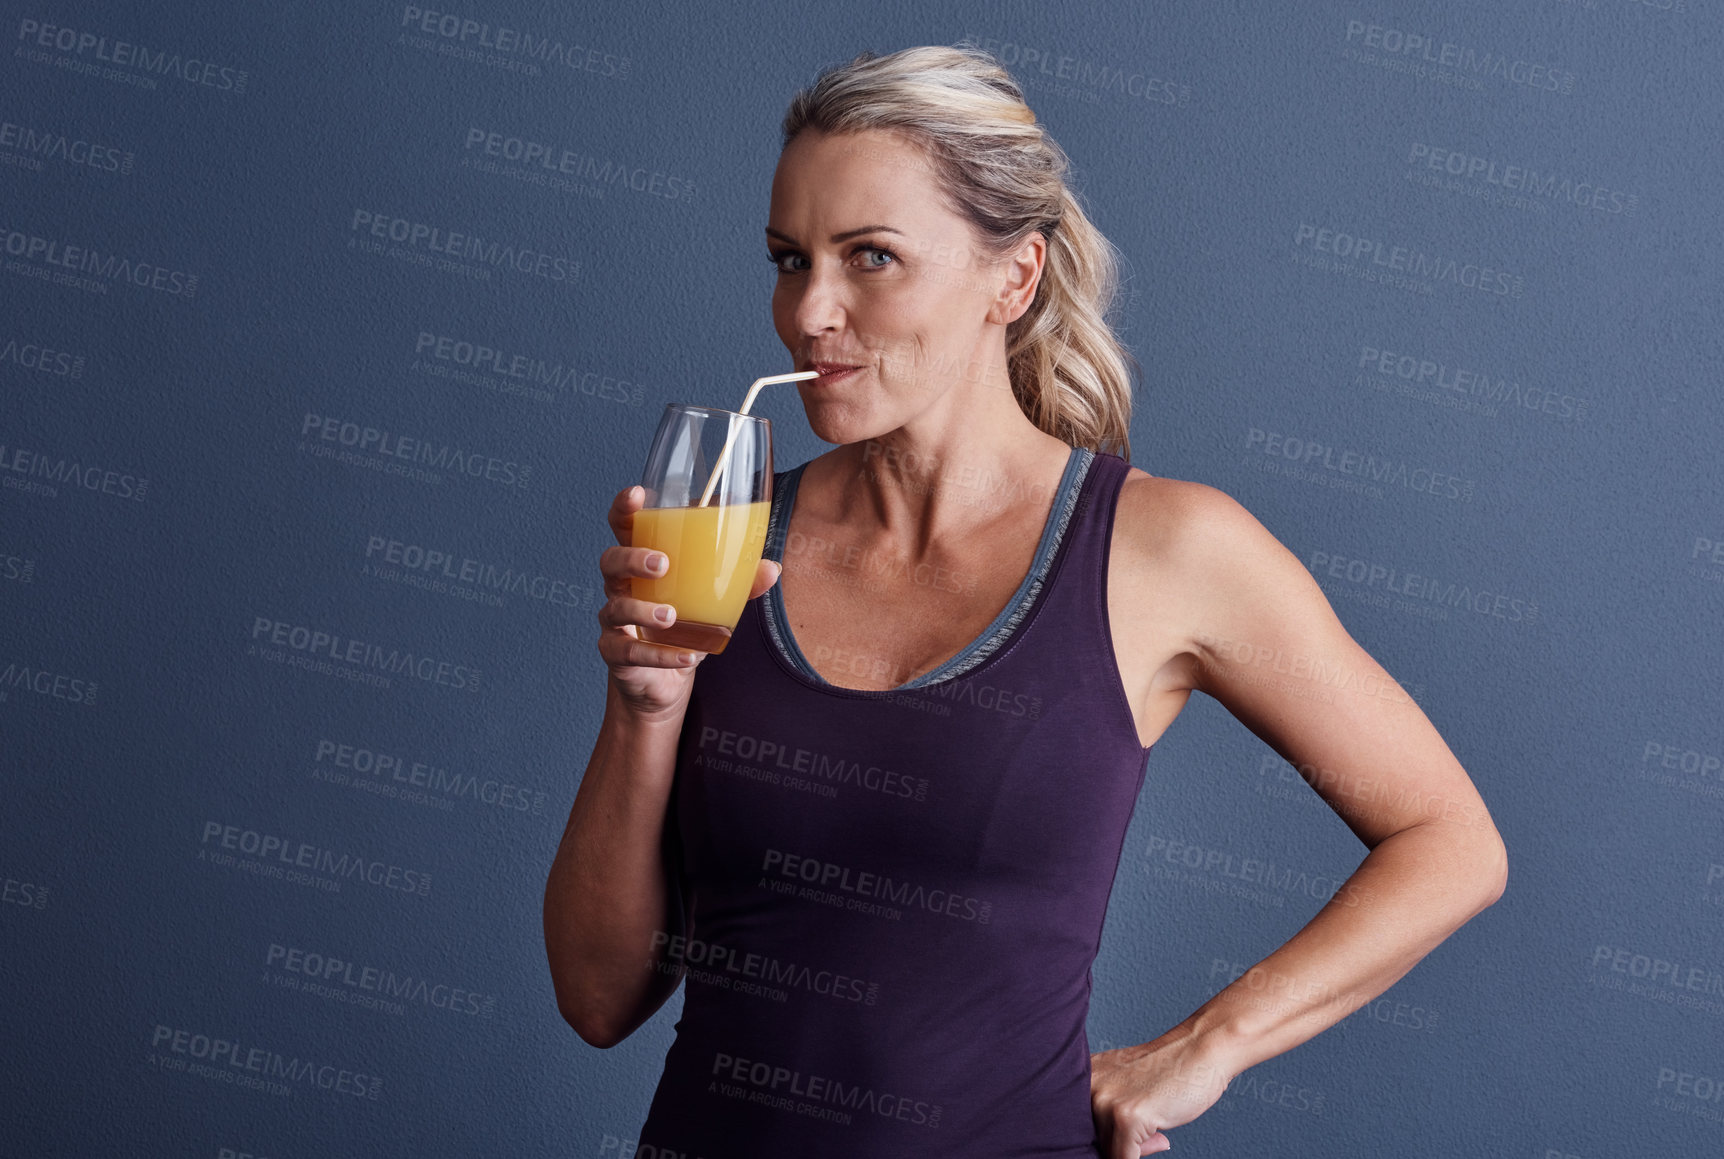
(830, 372)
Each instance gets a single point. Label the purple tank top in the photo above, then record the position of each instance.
(896, 896)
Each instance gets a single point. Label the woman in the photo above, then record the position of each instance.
(878, 832)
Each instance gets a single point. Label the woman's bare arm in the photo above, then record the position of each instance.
(1272, 651)
(610, 907)
(612, 912)
(1264, 642)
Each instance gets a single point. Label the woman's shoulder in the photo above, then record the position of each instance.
(1194, 524)
(1190, 554)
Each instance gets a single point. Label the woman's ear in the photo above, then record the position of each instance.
(1023, 273)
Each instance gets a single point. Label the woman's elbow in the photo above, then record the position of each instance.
(1492, 869)
(593, 1030)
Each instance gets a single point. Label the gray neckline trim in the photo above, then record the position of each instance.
(992, 638)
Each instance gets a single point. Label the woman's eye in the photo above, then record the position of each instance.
(871, 254)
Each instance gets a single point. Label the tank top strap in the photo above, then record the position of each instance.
(783, 490)
(1072, 630)
(1092, 522)
(1082, 553)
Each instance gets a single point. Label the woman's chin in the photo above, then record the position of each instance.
(835, 434)
(836, 423)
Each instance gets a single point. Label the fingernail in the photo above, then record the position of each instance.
(685, 657)
(656, 562)
(663, 614)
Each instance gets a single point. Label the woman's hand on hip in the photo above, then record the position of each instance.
(1137, 1092)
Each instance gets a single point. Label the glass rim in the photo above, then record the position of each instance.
(689, 406)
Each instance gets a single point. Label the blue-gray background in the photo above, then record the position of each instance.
(1552, 442)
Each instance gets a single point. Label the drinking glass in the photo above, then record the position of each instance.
(708, 482)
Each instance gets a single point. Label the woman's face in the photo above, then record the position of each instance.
(876, 273)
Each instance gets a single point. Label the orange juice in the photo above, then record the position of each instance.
(714, 552)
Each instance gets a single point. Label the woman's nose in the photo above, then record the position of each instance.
(822, 303)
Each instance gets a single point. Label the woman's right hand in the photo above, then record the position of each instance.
(652, 678)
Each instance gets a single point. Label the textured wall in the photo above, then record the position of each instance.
(312, 397)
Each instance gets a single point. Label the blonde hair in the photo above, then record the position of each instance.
(1002, 172)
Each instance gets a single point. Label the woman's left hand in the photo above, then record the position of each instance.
(1136, 1092)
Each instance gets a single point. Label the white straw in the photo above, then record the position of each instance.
(730, 435)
